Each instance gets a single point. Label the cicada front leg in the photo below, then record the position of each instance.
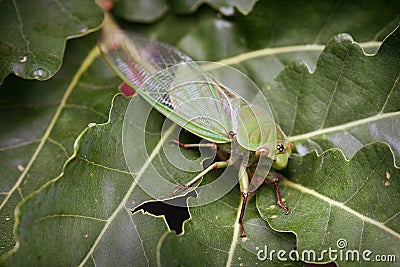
(209, 145)
(215, 165)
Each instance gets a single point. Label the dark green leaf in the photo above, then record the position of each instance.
(331, 199)
(261, 44)
(43, 119)
(212, 238)
(151, 10)
(226, 7)
(350, 100)
(89, 203)
(142, 10)
(33, 35)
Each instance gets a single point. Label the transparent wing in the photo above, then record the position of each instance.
(263, 166)
(254, 126)
(255, 130)
(169, 80)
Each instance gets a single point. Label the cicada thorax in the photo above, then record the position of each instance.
(236, 154)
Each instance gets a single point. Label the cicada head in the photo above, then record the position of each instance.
(283, 150)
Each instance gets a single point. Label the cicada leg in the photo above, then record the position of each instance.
(274, 178)
(209, 145)
(215, 165)
(244, 188)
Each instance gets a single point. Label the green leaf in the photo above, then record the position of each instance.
(43, 119)
(226, 7)
(92, 199)
(260, 44)
(211, 238)
(331, 199)
(350, 100)
(101, 184)
(141, 11)
(33, 36)
(151, 10)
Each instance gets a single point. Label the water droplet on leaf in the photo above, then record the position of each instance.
(40, 74)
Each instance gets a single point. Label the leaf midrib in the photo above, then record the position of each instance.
(306, 190)
(282, 50)
(139, 174)
(343, 127)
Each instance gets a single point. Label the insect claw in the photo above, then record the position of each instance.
(286, 209)
(185, 186)
(176, 142)
(243, 234)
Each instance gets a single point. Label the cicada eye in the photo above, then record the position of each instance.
(280, 148)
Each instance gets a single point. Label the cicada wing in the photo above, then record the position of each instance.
(260, 173)
(134, 57)
(255, 131)
(169, 80)
(255, 126)
(191, 98)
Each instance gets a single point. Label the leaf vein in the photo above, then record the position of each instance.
(61, 146)
(343, 126)
(104, 166)
(70, 215)
(276, 51)
(390, 93)
(328, 106)
(27, 143)
(140, 238)
(87, 108)
(154, 153)
(326, 225)
(391, 218)
(21, 30)
(340, 206)
(296, 104)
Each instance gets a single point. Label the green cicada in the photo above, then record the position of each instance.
(243, 133)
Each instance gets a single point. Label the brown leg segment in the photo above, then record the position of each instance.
(209, 145)
(279, 199)
(244, 188)
(245, 196)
